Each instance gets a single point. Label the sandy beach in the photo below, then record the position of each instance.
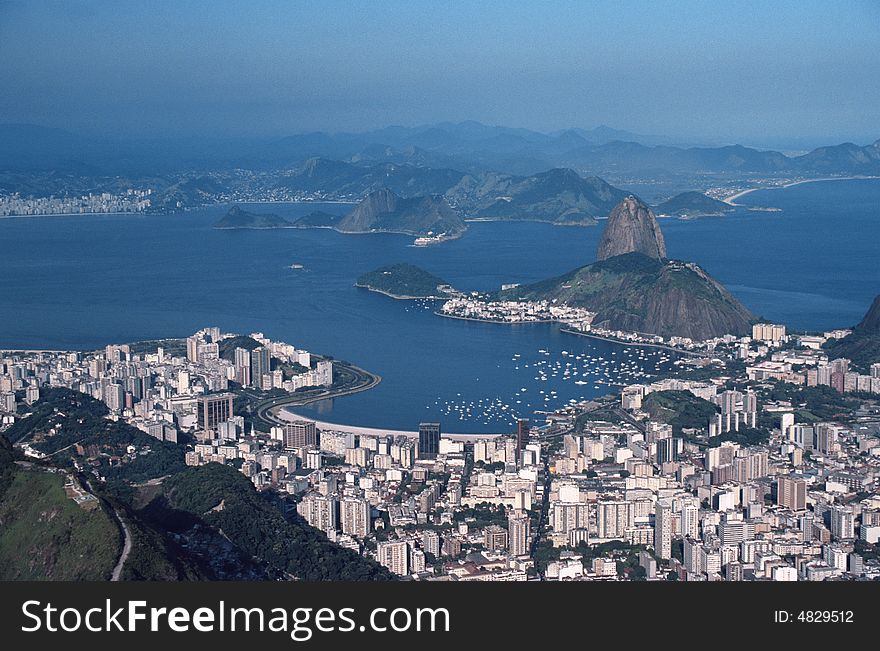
(286, 414)
(732, 198)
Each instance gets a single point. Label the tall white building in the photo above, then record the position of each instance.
(842, 523)
(663, 530)
(394, 555)
(355, 516)
(569, 515)
(690, 519)
(518, 534)
(319, 511)
(614, 518)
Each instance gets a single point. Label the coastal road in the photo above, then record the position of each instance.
(380, 431)
(639, 425)
(363, 381)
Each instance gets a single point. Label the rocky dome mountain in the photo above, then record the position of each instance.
(631, 228)
(871, 322)
(633, 287)
(384, 211)
(862, 346)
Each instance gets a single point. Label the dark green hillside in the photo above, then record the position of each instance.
(560, 196)
(227, 346)
(45, 535)
(384, 211)
(403, 281)
(636, 293)
(225, 499)
(681, 409)
(77, 420)
(318, 219)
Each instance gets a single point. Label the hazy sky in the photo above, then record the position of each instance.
(762, 72)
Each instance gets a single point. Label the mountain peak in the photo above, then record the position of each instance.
(384, 211)
(871, 322)
(631, 227)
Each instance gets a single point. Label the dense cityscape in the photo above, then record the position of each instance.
(312, 311)
(764, 468)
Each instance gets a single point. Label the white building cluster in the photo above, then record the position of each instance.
(159, 392)
(131, 200)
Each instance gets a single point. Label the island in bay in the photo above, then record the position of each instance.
(405, 281)
(693, 204)
(239, 218)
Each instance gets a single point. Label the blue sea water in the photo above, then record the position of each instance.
(85, 281)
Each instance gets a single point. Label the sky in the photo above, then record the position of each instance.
(751, 72)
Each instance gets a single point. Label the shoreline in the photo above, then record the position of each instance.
(267, 410)
(470, 318)
(379, 431)
(730, 201)
(567, 330)
(644, 344)
(147, 213)
(142, 213)
(399, 297)
(489, 220)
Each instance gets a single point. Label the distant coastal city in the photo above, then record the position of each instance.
(131, 201)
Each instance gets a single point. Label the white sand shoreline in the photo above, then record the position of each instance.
(287, 414)
(730, 201)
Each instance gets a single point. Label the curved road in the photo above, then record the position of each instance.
(267, 408)
(126, 547)
(126, 543)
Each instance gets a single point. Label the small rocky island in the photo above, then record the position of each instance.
(405, 281)
(238, 218)
(690, 205)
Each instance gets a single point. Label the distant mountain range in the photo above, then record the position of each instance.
(417, 200)
(348, 179)
(559, 195)
(467, 146)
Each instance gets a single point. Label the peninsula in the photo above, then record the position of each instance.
(633, 286)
